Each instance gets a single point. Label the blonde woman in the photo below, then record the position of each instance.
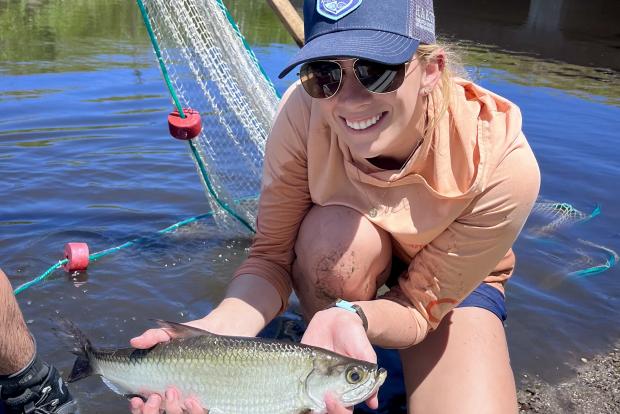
(382, 169)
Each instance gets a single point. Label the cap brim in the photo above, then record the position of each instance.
(378, 46)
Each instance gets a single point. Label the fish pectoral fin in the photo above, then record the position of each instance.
(178, 330)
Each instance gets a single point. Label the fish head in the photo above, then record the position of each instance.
(350, 381)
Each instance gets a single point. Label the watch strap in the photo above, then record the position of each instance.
(351, 307)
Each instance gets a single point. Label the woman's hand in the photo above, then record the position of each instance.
(249, 304)
(341, 331)
(171, 402)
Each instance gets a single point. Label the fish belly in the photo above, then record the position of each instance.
(224, 386)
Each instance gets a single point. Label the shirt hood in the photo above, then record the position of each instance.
(457, 159)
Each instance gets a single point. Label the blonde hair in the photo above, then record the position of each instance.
(445, 89)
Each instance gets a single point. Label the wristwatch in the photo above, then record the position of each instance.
(351, 307)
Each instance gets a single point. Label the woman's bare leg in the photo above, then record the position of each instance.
(340, 254)
(463, 367)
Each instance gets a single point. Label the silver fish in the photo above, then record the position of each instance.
(229, 375)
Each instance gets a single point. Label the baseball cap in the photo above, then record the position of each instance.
(385, 31)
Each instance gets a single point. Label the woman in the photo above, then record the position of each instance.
(383, 169)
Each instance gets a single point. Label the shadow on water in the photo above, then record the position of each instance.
(84, 155)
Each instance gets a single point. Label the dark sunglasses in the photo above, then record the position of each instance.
(322, 78)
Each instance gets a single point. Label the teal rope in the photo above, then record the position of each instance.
(222, 204)
(194, 151)
(594, 270)
(612, 259)
(160, 59)
(595, 212)
(39, 279)
(98, 255)
(233, 24)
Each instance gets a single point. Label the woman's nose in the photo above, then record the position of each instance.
(351, 89)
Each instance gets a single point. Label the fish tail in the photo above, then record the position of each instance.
(80, 346)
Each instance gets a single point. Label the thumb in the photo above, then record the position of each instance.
(333, 406)
(150, 338)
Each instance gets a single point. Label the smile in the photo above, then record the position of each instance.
(365, 123)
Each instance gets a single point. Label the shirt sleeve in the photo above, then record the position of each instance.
(450, 267)
(285, 197)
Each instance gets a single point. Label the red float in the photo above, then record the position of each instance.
(185, 128)
(77, 257)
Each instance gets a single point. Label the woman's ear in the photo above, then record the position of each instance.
(431, 75)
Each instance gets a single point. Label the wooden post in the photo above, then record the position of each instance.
(290, 18)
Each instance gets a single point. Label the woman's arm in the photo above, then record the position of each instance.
(450, 267)
(250, 303)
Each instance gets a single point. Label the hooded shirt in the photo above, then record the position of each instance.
(453, 210)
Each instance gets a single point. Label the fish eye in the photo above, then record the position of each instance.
(353, 375)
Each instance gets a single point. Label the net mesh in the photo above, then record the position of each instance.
(210, 67)
(560, 215)
(212, 70)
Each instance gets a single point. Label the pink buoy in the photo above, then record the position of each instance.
(77, 256)
(185, 128)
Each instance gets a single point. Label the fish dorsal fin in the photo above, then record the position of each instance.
(178, 330)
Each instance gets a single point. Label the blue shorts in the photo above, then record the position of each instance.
(484, 296)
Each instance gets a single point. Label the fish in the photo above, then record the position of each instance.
(228, 374)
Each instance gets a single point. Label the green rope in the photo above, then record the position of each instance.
(160, 59)
(594, 270)
(248, 49)
(194, 151)
(612, 259)
(98, 255)
(219, 202)
(39, 279)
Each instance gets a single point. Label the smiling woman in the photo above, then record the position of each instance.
(85, 154)
(383, 168)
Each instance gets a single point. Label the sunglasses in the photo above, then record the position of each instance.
(322, 78)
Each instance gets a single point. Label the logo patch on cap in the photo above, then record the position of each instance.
(336, 9)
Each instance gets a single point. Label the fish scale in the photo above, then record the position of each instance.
(230, 375)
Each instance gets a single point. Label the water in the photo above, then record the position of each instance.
(85, 156)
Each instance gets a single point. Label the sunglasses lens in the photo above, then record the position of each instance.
(320, 79)
(379, 78)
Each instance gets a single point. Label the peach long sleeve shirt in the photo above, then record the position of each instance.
(453, 211)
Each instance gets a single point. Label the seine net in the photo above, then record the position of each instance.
(212, 70)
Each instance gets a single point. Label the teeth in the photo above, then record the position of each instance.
(361, 125)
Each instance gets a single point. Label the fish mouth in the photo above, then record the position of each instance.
(366, 389)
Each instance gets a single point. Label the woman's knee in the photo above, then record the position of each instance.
(340, 253)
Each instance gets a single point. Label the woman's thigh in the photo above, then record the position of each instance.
(462, 367)
(339, 254)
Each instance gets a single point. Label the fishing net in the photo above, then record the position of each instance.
(558, 215)
(210, 68)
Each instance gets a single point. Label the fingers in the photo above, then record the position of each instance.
(136, 405)
(151, 406)
(334, 406)
(173, 403)
(150, 338)
(193, 407)
(373, 401)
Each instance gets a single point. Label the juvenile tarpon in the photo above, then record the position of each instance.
(227, 374)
